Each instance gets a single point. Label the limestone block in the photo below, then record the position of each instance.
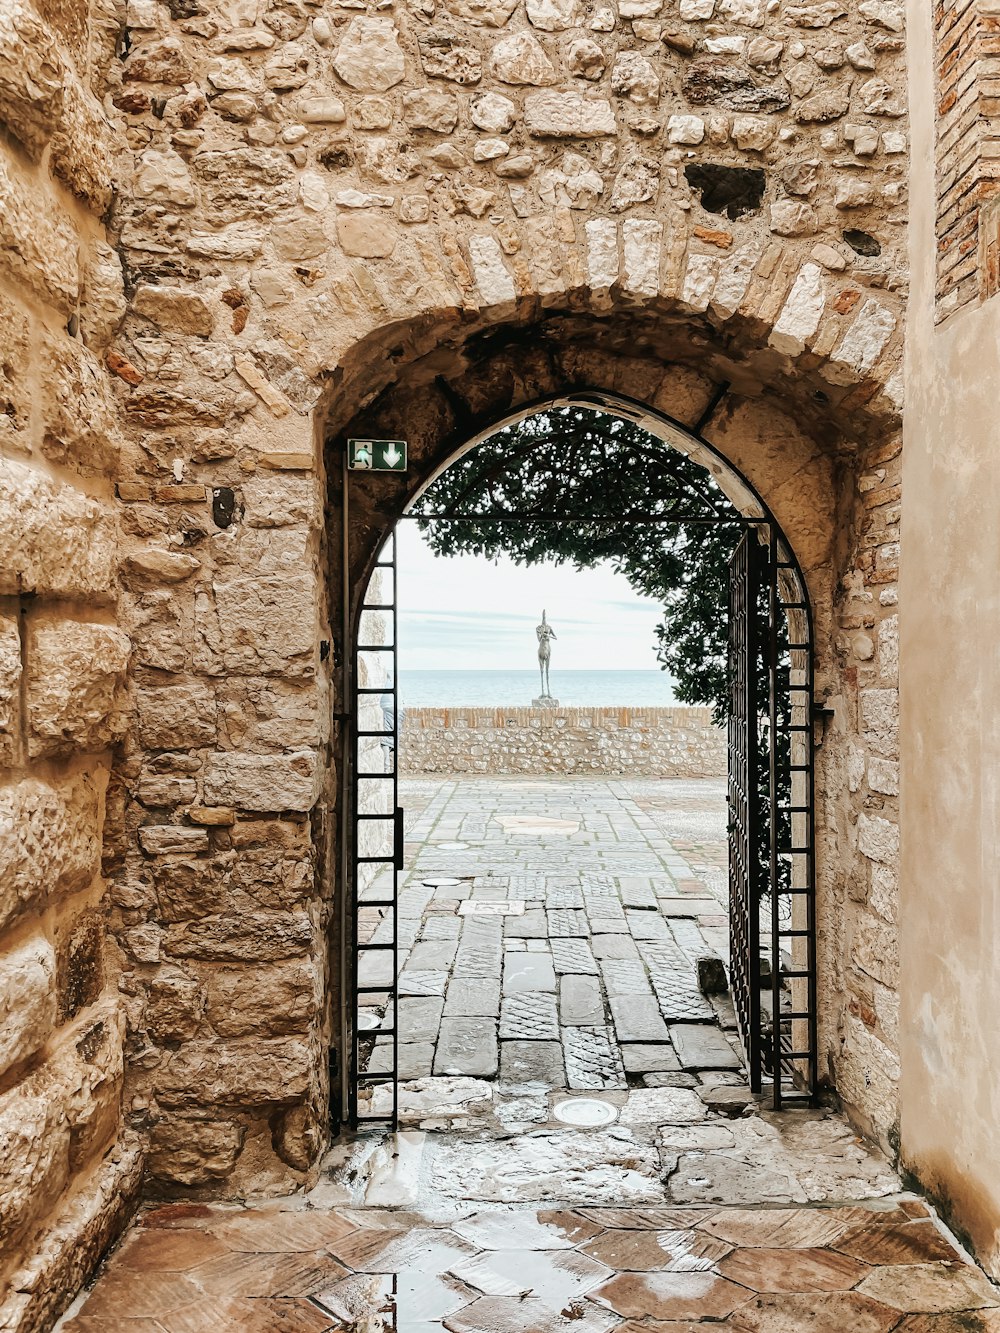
(244, 1073)
(32, 75)
(102, 297)
(174, 309)
(585, 59)
(245, 184)
(790, 217)
(261, 625)
(162, 839)
(79, 962)
(85, 150)
(75, 686)
(54, 540)
(10, 690)
(370, 58)
(178, 716)
(174, 1007)
(276, 502)
(637, 182)
(321, 111)
(880, 720)
(878, 839)
(429, 109)
(49, 841)
(553, 15)
(274, 1000)
(366, 235)
(444, 55)
(163, 175)
(264, 937)
(521, 59)
(685, 129)
(493, 113)
(38, 243)
(263, 782)
(27, 1000)
(482, 13)
(634, 77)
(34, 1159)
(801, 313)
(162, 61)
(571, 115)
(79, 423)
(194, 1152)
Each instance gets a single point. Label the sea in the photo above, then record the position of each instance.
(437, 689)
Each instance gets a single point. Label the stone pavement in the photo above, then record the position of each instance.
(287, 1268)
(549, 932)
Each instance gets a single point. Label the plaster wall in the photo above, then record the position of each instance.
(950, 896)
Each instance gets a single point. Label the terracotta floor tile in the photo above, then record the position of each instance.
(656, 1326)
(217, 1315)
(551, 1230)
(930, 1288)
(834, 1312)
(126, 1295)
(641, 1251)
(86, 1323)
(432, 1249)
(405, 1299)
(553, 1276)
(272, 1232)
(638, 1219)
(971, 1321)
(901, 1243)
(674, 1296)
(168, 1250)
(292, 1316)
(242, 1275)
(792, 1270)
(784, 1228)
(180, 1215)
(507, 1314)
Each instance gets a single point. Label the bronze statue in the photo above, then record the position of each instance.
(545, 634)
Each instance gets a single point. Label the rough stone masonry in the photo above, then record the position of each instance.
(227, 228)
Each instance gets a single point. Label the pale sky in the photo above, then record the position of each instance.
(471, 613)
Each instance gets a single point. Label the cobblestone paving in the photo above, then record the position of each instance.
(578, 908)
(857, 1269)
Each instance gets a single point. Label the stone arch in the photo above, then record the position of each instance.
(234, 686)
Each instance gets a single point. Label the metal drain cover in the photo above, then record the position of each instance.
(481, 907)
(585, 1112)
(368, 1022)
(441, 882)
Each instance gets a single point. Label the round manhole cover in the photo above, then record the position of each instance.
(440, 882)
(368, 1022)
(586, 1112)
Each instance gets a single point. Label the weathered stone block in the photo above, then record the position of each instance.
(10, 690)
(85, 150)
(174, 1008)
(263, 782)
(878, 839)
(270, 1000)
(49, 841)
(194, 1152)
(27, 1000)
(265, 937)
(261, 625)
(175, 309)
(102, 299)
(79, 421)
(244, 1073)
(79, 963)
(34, 1159)
(38, 243)
(32, 74)
(369, 57)
(162, 839)
(180, 716)
(53, 539)
(568, 115)
(75, 686)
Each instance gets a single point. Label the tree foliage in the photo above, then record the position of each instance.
(602, 479)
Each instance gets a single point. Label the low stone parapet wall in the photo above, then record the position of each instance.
(637, 742)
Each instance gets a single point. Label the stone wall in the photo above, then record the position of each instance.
(636, 742)
(68, 1173)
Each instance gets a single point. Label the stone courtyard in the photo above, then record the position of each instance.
(550, 933)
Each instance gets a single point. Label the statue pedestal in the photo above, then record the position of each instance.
(545, 701)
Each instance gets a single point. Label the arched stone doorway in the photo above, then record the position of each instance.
(815, 435)
(771, 778)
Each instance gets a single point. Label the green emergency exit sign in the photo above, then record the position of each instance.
(377, 455)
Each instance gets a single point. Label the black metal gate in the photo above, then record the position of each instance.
(770, 792)
(376, 851)
(746, 871)
(771, 828)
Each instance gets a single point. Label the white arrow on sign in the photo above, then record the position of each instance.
(392, 455)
